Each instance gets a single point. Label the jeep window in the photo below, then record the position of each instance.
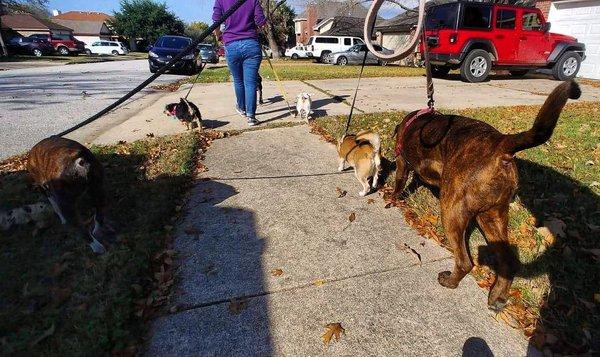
(476, 17)
(347, 42)
(326, 40)
(310, 41)
(442, 17)
(531, 21)
(505, 19)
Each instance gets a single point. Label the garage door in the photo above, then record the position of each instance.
(580, 19)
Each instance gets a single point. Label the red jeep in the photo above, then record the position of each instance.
(63, 44)
(477, 37)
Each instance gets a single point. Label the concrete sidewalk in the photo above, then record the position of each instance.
(269, 202)
(216, 102)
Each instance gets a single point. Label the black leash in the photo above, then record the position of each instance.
(202, 66)
(430, 89)
(362, 69)
(161, 71)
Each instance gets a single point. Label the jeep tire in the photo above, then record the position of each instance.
(567, 66)
(439, 71)
(476, 66)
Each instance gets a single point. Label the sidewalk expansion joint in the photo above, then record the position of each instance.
(186, 308)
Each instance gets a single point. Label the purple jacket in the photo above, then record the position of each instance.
(244, 23)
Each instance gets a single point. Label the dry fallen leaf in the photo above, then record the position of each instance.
(236, 306)
(333, 330)
(277, 272)
(370, 201)
(341, 193)
(319, 282)
(549, 238)
(352, 217)
(406, 248)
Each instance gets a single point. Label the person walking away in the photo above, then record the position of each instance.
(242, 51)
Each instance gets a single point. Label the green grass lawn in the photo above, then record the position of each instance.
(304, 70)
(557, 289)
(56, 297)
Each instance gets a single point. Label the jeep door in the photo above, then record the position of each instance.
(506, 40)
(533, 40)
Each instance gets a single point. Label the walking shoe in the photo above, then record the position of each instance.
(252, 121)
(240, 112)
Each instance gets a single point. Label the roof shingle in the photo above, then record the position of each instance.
(83, 16)
(30, 22)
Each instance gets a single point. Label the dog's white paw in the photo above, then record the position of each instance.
(363, 193)
(340, 168)
(97, 247)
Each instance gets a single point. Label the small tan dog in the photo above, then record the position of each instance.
(363, 152)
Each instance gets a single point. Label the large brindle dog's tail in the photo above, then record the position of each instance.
(545, 121)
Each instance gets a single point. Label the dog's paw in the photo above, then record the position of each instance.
(445, 280)
(341, 168)
(363, 193)
(497, 305)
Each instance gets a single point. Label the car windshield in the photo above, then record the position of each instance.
(442, 17)
(173, 42)
(205, 47)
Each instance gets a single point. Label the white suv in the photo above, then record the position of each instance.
(320, 46)
(106, 48)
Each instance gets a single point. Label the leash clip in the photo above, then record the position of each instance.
(431, 104)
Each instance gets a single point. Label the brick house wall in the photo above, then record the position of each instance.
(544, 6)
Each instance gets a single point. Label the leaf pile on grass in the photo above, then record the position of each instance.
(56, 297)
(554, 221)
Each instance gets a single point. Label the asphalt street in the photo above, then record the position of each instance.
(38, 102)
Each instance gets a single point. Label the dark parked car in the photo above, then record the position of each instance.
(63, 44)
(30, 46)
(208, 54)
(168, 47)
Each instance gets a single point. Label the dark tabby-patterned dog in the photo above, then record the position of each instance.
(64, 170)
(186, 112)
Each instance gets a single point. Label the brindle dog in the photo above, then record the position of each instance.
(473, 165)
(64, 169)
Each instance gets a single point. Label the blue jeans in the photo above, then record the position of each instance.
(243, 59)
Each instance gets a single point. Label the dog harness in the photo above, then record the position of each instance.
(407, 124)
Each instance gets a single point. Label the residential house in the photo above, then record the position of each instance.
(319, 18)
(27, 24)
(88, 27)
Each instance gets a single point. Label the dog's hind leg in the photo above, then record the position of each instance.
(494, 224)
(401, 176)
(377, 168)
(363, 177)
(455, 219)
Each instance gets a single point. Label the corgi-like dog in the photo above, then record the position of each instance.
(186, 112)
(362, 151)
(64, 170)
(303, 106)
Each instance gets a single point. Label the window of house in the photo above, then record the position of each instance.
(531, 21)
(476, 17)
(505, 19)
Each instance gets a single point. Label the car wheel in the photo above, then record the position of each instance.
(115, 53)
(567, 66)
(342, 61)
(323, 55)
(152, 69)
(382, 63)
(476, 66)
(295, 56)
(63, 51)
(88, 52)
(519, 73)
(439, 71)
(37, 52)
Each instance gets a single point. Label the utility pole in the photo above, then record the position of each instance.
(2, 45)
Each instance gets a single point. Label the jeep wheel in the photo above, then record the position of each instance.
(567, 66)
(323, 55)
(63, 51)
(342, 61)
(439, 71)
(519, 73)
(476, 66)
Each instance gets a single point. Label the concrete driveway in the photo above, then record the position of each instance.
(330, 97)
(38, 102)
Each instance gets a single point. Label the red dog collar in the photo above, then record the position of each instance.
(407, 124)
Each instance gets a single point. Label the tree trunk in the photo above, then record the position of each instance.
(272, 43)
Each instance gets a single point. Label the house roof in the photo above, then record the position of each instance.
(30, 22)
(346, 26)
(92, 28)
(328, 9)
(83, 16)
